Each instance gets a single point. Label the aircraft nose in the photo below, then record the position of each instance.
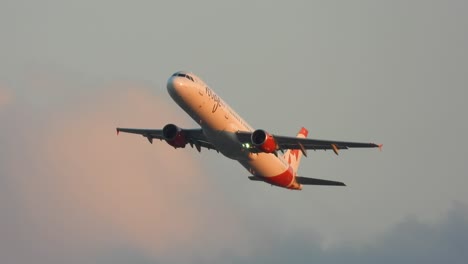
(174, 85)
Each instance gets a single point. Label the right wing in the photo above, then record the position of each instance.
(192, 136)
(285, 142)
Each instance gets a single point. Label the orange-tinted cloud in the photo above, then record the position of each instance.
(5, 97)
(86, 188)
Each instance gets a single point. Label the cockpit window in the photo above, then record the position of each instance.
(189, 77)
(183, 75)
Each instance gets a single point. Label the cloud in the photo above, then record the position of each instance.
(5, 97)
(76, 191)
(72, 191)
(411, 241)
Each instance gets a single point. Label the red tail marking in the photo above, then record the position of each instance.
(295, 152)
(283, 180)
(304, 131)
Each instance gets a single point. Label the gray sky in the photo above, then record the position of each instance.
(391, 72)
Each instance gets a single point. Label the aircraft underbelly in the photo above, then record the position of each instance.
(227, 143)
(265, 165)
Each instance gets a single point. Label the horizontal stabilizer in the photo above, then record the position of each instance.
(305, 181)
(312, 181)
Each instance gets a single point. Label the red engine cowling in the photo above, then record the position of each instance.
(264, 141)
(174, 136)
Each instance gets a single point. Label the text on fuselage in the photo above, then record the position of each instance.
(216, 100)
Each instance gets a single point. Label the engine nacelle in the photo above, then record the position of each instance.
(264, 141)
(174, 136)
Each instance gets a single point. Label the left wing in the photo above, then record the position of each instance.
(192, 136)
(283, 143)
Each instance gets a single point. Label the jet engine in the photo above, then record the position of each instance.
(174, 136)
(264, 141)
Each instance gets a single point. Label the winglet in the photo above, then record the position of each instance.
(380, 146)
(118, 130)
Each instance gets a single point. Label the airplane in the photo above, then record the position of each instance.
(223, 130)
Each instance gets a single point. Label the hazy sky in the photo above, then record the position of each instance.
(391, 72)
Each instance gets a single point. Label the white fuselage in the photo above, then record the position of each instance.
(220, 123)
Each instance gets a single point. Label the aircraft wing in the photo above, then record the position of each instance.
(193, 136)
(303, 144)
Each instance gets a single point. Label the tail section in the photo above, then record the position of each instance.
(293, 156)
